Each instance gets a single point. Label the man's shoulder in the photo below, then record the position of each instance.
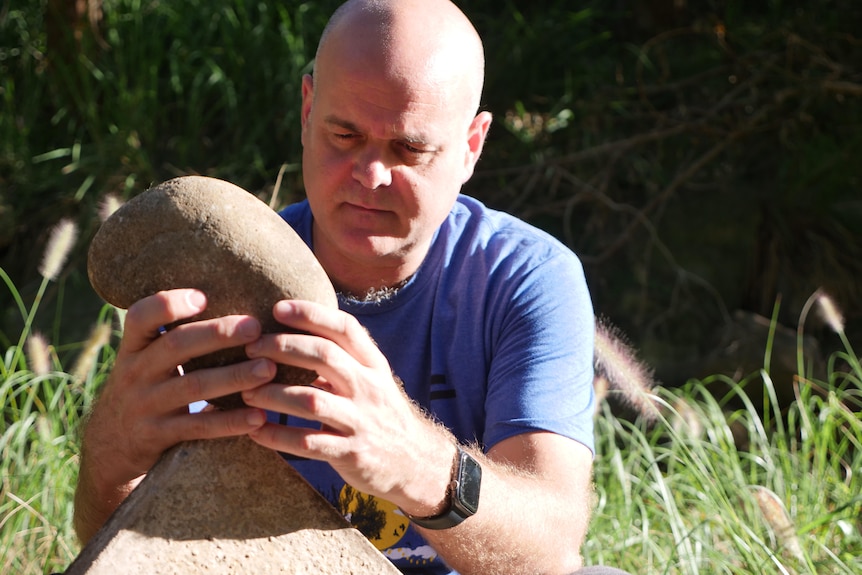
(298, 216)
(501, 233)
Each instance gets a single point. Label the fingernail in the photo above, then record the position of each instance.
(196, 300)
(255, 418)
(253, 348)
(261, 368)
(249, 329)
(283, 307)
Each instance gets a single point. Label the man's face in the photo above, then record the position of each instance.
(383, 161)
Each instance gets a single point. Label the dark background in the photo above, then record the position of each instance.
(702, 158)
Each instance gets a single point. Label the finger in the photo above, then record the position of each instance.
(214, 424)
(339, 371)
(302, 442)
(207, 384)
(146, 316)
(199, 338)
(332, 324)
(333, 411)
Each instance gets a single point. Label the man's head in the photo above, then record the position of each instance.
(390, 133)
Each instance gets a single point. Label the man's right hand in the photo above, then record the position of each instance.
(142, 410)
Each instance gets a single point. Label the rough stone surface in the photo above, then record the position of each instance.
(205, 233)
(227, 506)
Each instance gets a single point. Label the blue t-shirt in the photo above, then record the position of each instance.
(493, 335)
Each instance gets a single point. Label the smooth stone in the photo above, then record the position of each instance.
(227, 506)
(205, 233)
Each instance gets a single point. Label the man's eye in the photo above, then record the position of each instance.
(412, 149)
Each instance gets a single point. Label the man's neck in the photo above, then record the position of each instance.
(374, 294)
(375, 279)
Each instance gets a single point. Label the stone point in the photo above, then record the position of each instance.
(227, 506)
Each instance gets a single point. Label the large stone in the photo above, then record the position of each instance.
(227, 506)
(198, 232)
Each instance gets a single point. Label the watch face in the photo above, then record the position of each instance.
(469, 481)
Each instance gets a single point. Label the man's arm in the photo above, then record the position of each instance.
(142, 409)
(535, 496)
(534, 509)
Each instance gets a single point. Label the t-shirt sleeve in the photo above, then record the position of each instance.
(541, 371)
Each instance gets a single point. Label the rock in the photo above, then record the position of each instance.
(227, 506)
(204, 233)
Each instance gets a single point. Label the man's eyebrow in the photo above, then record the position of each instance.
(342, 123)
(332, 119)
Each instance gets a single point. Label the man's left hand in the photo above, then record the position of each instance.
(371, 433)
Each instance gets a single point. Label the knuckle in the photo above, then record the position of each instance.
(220, 330)
(232, 423)
(316, 402)
(324, 351)
(200, 425)
(307, 443)
(193, 385)
(171, 341)
(350, 324)
(238, 373)
(284, 343)
(136, 315)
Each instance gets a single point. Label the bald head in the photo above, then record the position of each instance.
(427, 40)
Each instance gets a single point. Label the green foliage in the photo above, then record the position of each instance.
(207, 86)
(709, 489)
(624, 128)
(705, 488)
(43, 407)
(698, 160)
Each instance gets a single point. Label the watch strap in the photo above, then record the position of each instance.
(454, 513)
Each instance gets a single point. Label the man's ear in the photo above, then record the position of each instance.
(307, 97)
(476, 134)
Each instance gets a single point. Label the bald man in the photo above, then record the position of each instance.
(465, 424)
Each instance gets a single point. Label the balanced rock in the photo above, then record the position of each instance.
(205, 233)
(227, 507)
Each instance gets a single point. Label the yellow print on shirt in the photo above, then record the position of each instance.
(379, 520)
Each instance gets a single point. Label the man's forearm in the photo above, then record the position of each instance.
(526, 523)
(92, 506)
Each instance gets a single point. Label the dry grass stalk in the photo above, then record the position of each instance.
(109, 204)
(779, 521)
(617, 362)
(685, 420)
(99, 338)
(600, 389)
(60, 243)
(38, 354)
(829, 312)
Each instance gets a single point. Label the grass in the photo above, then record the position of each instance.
(179, 88)
(715, 489)
(702, 488)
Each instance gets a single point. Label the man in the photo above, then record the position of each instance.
(485, 320)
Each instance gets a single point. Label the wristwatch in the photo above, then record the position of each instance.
(463, 494)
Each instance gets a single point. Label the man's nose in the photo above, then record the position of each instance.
(371, 169)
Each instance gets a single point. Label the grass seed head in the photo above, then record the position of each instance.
(99, 337)
(600, 389)
(685, 420)
(38, 354)
(60, 243)
(779, 521)
(829, 312)
(110, 204)
(617, 362)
